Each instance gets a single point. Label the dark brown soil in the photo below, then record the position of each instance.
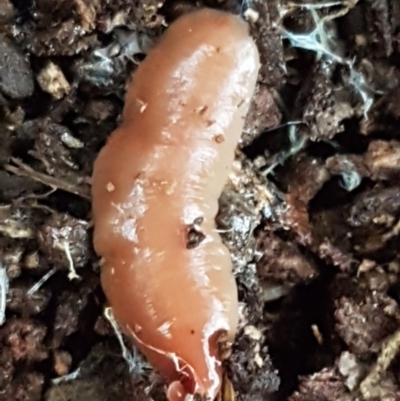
(311, 213)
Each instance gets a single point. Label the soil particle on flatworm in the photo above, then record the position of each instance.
(194, 235)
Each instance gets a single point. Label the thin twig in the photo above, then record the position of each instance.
(3, 293)
(53, 182)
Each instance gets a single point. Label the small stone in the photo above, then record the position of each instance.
(6, 11)
(31, 261)
(62, 362)
(16, 80)
(251, 15)
(350, 369)
(253, 333)
(52, 80)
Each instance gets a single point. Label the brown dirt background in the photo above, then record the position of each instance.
(310, 212)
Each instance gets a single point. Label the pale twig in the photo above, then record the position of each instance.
(53, 182)
(3, 294)
(68, 377)
(35, 287)
(369, 387)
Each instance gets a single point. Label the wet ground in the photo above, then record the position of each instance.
(310, 213)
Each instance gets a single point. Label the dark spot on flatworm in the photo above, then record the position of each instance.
(194, 235)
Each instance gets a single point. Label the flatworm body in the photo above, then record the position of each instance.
(156, 183)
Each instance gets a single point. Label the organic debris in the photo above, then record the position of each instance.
(310, 213)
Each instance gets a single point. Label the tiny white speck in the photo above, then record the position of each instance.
(164, 329)
(128, 230)
(110, 187)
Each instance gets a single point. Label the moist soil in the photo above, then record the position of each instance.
(310, 211)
